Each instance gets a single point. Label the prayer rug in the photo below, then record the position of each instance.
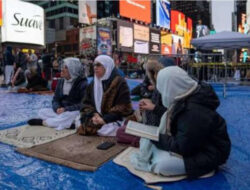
(75, 151)
(27, 136)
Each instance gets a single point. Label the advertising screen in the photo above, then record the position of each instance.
(87, 39)
(188, 34)
(178, 23)
(141, 47)
(155, 41)
(125, 36)
(23, 23)
(87, 11)
(136, 9)
(141, 32)
(170, 43)
(163, 13)
(201, 30)
(104, 44)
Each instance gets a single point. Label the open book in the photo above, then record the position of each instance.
(142, 130)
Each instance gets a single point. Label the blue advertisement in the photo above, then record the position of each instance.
(163, 13)
(104, 45)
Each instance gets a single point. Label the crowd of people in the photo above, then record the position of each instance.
(193, 137)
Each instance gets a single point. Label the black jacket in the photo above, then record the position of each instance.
(8, 58)
(71, 102)
(37, 83)
(199, 133)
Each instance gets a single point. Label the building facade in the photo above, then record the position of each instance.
(61, 16)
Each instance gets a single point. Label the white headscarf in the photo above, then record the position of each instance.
(109, 65)
(174, 83)
(75, 69)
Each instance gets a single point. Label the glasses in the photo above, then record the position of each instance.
(98, 65)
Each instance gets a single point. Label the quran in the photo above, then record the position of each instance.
(142, 130)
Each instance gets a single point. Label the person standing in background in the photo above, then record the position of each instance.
(179, 52)
(8, 60)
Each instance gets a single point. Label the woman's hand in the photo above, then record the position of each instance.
(60, 110)
(97, 120)
(151, 87)
(146, 104)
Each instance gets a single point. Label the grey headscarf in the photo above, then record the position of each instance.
(74, 66)
(75, 70)
(174, 84)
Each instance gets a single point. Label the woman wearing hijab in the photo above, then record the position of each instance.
(66, 102)
(152, 108)
(107, 100)
(193, 137)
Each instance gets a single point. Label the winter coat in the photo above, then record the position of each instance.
(71, 102)
(8, 58)
(37, 83)
(116, 102)
(199, 133)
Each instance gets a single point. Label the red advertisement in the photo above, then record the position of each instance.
(178, 24)
(136, 9)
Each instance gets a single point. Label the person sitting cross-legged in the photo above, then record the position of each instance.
(107, 101)
(193, 138)
(66, 102)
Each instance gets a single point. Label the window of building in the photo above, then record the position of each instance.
(61, 25)
(52, 24)
(73, 21)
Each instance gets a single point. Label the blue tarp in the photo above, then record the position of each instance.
(20, 172)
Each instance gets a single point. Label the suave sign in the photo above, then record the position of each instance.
(22, 23)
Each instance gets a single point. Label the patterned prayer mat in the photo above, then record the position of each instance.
(75, 151)
(28, 136)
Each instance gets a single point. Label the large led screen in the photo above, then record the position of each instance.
(163, 13)
(125, 36)
(87, 11)
(136, 9)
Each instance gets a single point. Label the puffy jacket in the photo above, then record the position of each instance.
(199, 133)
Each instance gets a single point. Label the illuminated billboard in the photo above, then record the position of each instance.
(141, 47)
(136, 9)
(155, 41)
(104, 44)
(125, 36)
(141, 32)
(201, 30)
(182, 26)
(23, 22)
(87, 39)
(170, 43)
(87, 11)
(163, 13)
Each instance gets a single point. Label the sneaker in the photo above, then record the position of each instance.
(35, 122)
